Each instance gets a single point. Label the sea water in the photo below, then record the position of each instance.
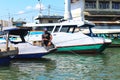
(66, 66)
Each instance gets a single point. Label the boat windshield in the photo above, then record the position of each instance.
(87, 29)
(41, 28)
(57, 28)
(69, 28)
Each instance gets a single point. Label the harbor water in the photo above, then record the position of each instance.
(66, 66)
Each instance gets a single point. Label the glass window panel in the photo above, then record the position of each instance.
(49, 28)
(90, 4)
(39, 28)
(64, 29)
(57, 28)
(115, 5)
(103, 4)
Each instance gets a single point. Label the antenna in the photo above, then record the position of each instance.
(49, 9)
(40, 6)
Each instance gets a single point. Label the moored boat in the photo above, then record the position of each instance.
(6, 51)
(78, 42)
(68, 37)
(26, 49)
(113, 34)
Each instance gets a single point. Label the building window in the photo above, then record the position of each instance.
(115, 5)
(50, 21)
(90, 5)
(103, 4)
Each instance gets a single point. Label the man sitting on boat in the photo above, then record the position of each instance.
(46, 38)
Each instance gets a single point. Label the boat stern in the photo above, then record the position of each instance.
(108, 41)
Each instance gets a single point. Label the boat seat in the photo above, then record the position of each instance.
(37, 43)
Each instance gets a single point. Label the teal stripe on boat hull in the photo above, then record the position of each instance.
(83, 48)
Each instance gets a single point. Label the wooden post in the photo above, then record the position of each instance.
(7, 41)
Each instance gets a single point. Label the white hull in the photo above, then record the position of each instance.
(68, 39)
(71, 39)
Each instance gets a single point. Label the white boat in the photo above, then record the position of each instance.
(113, 34)
(6, 50)
(26, 49)
(68, 37)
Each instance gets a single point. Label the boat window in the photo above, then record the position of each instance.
(49, 28)
(77, 29)
(74, 29)
(57, 28)
(86, 27)
(69, 28)
(64, 29)
(39, 28)
(15, 39)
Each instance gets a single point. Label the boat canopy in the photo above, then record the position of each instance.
(17, 31)
(21, 32)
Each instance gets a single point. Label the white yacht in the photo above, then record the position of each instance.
(68, 37)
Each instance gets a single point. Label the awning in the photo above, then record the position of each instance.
(17, 31)
(106, 22)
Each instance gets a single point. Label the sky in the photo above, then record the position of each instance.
(27, 10)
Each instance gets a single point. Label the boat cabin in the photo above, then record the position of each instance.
(60, 27)
(69, 28)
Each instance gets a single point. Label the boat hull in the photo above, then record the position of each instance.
(36, 55)
(95, 48)
(33, 55)
(5, 60)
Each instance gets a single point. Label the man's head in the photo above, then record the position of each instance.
(45, 29)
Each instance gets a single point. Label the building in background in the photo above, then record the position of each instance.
(104, 13)
(48, 18)
(5, 23)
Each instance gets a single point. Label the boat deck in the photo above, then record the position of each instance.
(27, 48)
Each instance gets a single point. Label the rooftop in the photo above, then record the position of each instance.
(48, 16)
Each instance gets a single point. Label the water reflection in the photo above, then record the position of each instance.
(73, 66)
(85, 67)
(27, 69)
